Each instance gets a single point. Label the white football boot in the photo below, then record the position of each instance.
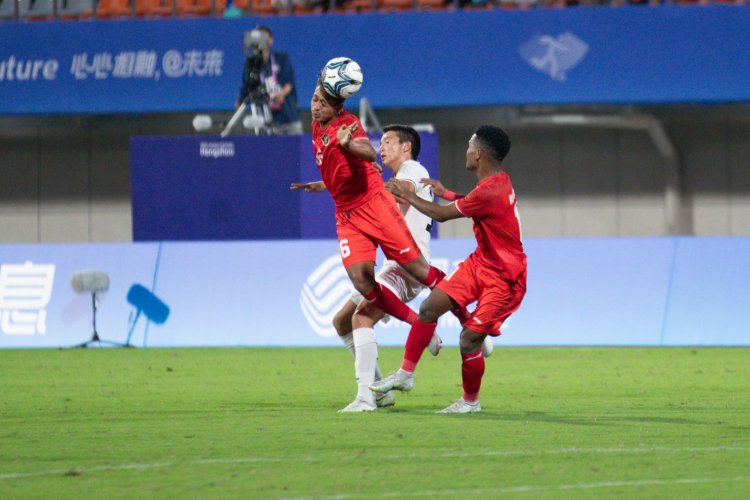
(399, 380)
(385, 400)
(436, 343)
(487, 347)
(358, 405)
(461, 406)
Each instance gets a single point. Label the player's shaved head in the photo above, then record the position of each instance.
(493, 140)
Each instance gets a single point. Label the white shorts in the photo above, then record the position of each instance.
(397, 280)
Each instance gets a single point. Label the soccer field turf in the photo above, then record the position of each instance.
(262, 423)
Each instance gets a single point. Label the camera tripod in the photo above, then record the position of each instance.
(258, 119)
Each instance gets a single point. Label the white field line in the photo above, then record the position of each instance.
(409, 456)
(537, 488)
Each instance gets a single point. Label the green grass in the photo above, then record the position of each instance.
(262, 423)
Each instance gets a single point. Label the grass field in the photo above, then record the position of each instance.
(262, 423)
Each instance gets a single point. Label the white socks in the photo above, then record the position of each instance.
(365, 361)
(348, 341)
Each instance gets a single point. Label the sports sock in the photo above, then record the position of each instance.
(434, 276)
(472, 370)
(365, 361)
(385, 300)
(348, 341)
(418, 339)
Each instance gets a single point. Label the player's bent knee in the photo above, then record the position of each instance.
(427, 313)
(342, 322)
(362, 280)
(470, 341)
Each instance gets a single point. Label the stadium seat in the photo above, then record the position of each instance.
(427, 5)
(107, 9)
(8, 9)
(75, 9)
(263, 7)
(154, 8)
(188, 8)
(34, 10)
(396, 5)
(220, 6)
(305, 7)
(243, 6)
(517, 4)
(354, 6)
(480, 5)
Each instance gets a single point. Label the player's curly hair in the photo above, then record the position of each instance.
(406, 133)
(494, 140)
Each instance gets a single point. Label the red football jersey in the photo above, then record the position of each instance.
(350, 180)
(497, 227)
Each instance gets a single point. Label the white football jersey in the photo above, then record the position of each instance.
(419, 224)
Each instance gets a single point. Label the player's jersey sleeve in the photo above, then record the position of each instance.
(414, 172)
(409, 171)
(477, 203)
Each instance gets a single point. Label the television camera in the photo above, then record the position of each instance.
(256, 44)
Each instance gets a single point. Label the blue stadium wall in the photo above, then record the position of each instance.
(570, 56)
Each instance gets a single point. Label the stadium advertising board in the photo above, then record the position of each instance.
(614, 292)
(232, 188)
(672, 54)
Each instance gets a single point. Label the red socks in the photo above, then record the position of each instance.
(472, 370)
(419, 337)
(384, 299)
(434, 277)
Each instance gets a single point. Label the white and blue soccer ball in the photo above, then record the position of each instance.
(341, 77)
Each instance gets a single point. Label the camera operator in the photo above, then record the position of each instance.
(268, 79)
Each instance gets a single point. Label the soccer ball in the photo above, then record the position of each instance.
(341, 77)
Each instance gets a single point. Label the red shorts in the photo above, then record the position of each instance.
(497, 298)
(376, 223)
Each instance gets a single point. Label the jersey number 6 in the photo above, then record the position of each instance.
(344, 247)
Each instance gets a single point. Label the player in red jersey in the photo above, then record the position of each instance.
(494, 274)
(367, 216)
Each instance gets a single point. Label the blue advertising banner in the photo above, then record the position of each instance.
(670, 54)
(234, 188)
(581, 292)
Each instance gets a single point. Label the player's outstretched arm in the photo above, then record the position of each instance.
(440, 213)
(308, 187)
(439, 190)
